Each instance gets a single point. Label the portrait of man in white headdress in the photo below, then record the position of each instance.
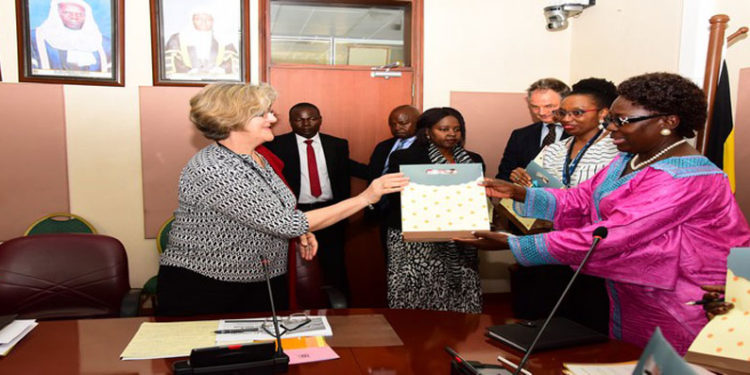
(205, 45)
(69, 41)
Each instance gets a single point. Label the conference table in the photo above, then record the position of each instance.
(93, 346)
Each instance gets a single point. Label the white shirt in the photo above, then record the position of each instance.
(596, 158)
(558, 132)
(305, 196)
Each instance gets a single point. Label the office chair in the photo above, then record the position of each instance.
(60, 222)
(65, 276)
(162, 239)
(309, 292)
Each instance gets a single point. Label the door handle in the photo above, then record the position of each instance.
(386, 74)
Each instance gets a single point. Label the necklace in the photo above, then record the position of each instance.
(634, 166)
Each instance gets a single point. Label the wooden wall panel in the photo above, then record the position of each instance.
(490, 118)
(168, 141)
(741, 140)
(33, 159)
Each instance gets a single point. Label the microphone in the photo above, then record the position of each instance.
(600, 233)
(255, 358)
(281, 360)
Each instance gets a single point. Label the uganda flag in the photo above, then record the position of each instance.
(720, 144)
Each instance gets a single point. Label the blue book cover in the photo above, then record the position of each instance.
(541, 177)
(660, 358)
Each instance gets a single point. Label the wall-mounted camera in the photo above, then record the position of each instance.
(557, 15)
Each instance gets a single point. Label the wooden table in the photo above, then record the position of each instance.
(93, 347)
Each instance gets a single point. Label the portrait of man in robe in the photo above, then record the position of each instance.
(201, 40)
(71, 38)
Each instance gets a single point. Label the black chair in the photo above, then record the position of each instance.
(65, 276)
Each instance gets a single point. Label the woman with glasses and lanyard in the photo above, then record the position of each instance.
(589, 149)
(670, 212)
(234, 209)
(572, 161)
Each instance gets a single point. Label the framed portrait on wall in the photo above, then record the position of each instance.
(71, 41)
(196, 42)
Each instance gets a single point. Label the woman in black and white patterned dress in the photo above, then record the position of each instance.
(234, 209)
(432, 275)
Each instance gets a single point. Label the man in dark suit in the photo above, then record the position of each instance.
(543, 97)
(317, 168)
(403, 125)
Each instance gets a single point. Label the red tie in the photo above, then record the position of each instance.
(312, 169)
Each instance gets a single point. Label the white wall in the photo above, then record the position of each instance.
(617, 39)
(480, 45)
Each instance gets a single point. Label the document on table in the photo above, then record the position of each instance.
(307, 349)
(12, 333)
(169, 340)
(252, 329)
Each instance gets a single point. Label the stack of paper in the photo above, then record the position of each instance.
(170, 340)
(307, 349)
(239, 330)
(177, 339)
(303, 344)
(12, 333)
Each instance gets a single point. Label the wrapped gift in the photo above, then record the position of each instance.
(724, 343)
(443, 201)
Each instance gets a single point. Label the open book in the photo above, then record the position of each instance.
(724, 343)
(540, 177)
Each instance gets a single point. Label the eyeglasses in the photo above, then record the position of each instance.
(561, 113)
(620, 121)
(289, 324)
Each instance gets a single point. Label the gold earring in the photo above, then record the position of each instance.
(665, 132)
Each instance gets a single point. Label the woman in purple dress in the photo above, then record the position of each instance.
(671, 215)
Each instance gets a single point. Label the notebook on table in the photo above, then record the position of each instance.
(560, 333)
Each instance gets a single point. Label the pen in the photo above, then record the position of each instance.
(238, 330)
(704, 301)
(511, 364)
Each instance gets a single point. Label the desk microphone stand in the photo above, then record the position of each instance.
(250, 359)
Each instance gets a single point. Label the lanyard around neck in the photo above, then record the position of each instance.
(570, 166)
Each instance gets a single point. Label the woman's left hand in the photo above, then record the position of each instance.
(308, 246)
(486, 240)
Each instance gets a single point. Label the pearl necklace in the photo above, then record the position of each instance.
(634, 166)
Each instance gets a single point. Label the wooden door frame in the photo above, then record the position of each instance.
(416, 39)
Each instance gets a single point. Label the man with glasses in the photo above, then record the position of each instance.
(543, 98)
(318, 170)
